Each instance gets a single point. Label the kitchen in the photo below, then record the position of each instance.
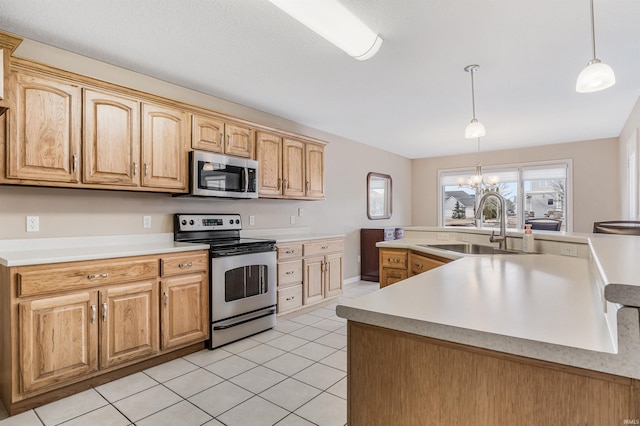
(75, 212)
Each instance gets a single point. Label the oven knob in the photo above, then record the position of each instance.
(191, 222)
(237, 221)
(184, 222)
(231, 222)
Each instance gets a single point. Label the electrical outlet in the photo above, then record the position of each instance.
(33, 223)
(146, 222)
(300, 211)
(443, 237)
(358, 258)
(464, 238)
(252, 220)
(569, 250)
(293, 220)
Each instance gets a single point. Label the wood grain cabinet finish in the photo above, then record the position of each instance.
(289, 168)
(8, 43)
(111, 139)
(214, 134)
(419, 263)
(185, 310)
(58, 339)
(128, 323)
(44, 129)
(164, 153)
(67, 323)
(313, 282)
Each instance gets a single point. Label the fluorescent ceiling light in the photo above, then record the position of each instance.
(331, 20)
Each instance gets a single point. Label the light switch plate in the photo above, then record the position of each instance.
(293, 220)
(252, 220)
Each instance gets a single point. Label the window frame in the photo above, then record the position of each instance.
(518, 168)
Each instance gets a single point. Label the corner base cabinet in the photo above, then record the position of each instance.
(399, 264)
(66, 324)
(309, 272)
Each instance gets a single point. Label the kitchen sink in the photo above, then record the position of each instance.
(468, 248)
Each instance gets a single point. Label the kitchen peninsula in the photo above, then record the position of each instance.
(500, 339)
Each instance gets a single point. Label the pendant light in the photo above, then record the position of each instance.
(475, 129)
(596, 76)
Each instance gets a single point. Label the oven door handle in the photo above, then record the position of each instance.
(246, 179)
(228, 324)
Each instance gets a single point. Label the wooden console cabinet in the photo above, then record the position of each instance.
(69, 323)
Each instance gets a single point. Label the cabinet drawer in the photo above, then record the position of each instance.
(289, 273)
(322, 247)
(393, 258)
(184, 264)
(34, 280)
(419, 264)
(289, 298)
(289, 251)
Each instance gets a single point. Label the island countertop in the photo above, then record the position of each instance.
(539, 306)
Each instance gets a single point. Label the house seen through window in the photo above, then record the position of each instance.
(537, 193)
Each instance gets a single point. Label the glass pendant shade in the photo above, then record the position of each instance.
(596, 76)
(475, 129)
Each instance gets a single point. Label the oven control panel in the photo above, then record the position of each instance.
(209, 222)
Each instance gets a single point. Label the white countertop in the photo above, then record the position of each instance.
(36, 251)
(288, 235)
(540, 306)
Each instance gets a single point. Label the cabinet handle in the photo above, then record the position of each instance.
(290, 272)
(308, 185)
(393, 260)
(324, 247)
(419, 265)
(94, 276)
(75, 163)
(146, 169)
(288, 252)
(93, 314)
(185, 265)
(286, 183)
(166, 298)
(104, 312)
(279, 184)
(290, 298)
(228, 141)
(135, 169)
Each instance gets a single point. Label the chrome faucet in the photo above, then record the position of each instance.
(502, 238)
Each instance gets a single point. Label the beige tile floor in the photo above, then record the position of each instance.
(294, 374)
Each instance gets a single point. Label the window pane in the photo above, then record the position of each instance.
(545, 194)
(459, 206)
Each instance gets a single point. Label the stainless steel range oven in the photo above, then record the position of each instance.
(242, 276)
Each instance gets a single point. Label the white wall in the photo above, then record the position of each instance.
(630, 135)
(596, 195)
(75, 212)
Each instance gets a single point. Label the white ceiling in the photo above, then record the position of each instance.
(413, 98)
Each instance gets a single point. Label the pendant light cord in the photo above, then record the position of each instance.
(593, 33)
(473, 94)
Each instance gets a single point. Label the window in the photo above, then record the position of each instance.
(379, 200)
(531, 190)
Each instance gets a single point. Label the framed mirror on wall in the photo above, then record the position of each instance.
(379, 196)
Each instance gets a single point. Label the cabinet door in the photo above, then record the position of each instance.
(240, 140)
(390, 276)
(44, 141)
(419, 264)
(185, 310)
(333, 275)
(314, 171)
(111, 139)
(293, 174)
(58, 340)
(164, 154)
(269, 156)
(312, 284)
(207, 133)
(128, 323)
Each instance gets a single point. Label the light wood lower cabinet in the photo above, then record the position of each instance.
(400, 264)
(66, 323)
(309, 272)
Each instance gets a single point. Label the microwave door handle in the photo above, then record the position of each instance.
(246, 179)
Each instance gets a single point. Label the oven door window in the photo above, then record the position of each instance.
(245, 281)
(220, 177)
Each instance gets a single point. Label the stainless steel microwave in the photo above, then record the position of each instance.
(215, 175)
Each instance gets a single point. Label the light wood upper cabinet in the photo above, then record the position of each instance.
(128, 323)
(58, 339)
(269, 156)
(44, 129)
(8, 43)
(293, 173)
(111, 139)
(211, 133)
(314, 171)
(164, 153)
